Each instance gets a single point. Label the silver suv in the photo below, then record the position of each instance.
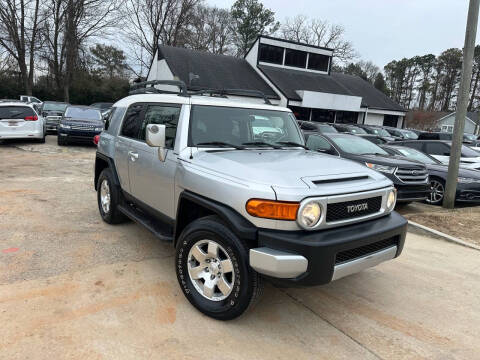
(232, 186)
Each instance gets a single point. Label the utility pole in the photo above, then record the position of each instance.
(462, 103)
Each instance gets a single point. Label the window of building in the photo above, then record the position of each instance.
(346, 117)
(390, 120)
(320, 115)
(271, 54)
(447, 128)
(295, 58)
(300, 112)
(318, 62)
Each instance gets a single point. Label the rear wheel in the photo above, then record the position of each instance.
(108, 197)
(42, 139)
(437, 187)
(213, 271)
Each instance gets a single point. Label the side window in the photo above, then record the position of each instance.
(318, 143)
(133, 122)
(108, 120)
(437, 149)
(415, 145)
(167, 115)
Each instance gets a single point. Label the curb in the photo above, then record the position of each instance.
(422, 230)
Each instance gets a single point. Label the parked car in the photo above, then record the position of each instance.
(379, 132)
(435, 136)
(193, 170)
(440, 150)
(471, 140)
(468, 186)
(30, 99)
(53, 111)
(401, 134)
(409, 178)
(373, 138)
(79, 124)
(316, 126)
(349, 128)
(21, 121)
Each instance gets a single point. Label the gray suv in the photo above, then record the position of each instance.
(232, 187)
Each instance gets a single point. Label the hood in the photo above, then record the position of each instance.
(73, 121)
(288, 168)
(462, 172)
(389, 160)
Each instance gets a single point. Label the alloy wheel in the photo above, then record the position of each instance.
(437, 192)
(105, 196)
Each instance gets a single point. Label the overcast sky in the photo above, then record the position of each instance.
(384, 30)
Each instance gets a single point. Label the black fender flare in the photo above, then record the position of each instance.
(99, 168)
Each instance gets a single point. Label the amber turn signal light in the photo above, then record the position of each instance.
(269, 209)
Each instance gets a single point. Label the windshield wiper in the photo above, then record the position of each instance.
(221, 144)
(292, 144)
(261, 143)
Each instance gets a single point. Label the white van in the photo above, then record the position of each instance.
(21, 121)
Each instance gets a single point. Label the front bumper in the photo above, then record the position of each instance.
(468, 192)
(77, 135)
(412, 192)
(37, 134)
(313, 258)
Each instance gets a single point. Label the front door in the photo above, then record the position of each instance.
(152, 181)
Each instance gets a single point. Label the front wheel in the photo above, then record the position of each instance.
(213, 271)
(437, 187)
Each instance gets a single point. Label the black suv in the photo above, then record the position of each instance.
(401, 134)
(409, 178)
(349, 128)
(378, 131)
(316, 126)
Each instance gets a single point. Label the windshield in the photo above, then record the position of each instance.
(467, 152)
(54, 107)
(357, 146)
(83, 113)
(417, 155)
(356, 130)
(409, 135)
(327, 129)
(240, 126)
(469, 137)
(379, 132)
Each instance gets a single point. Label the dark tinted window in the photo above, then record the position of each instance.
(390, 120)
(271, 54)
(318, 62)
(323, 115)
(162, 115)
(434, 148)
(295, 58)
(133, 121)
(15, 112)
(83, 113)
(301, 113)
(347, 117)
(318, 143)
(416, 145)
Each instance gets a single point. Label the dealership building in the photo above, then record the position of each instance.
(290, 74)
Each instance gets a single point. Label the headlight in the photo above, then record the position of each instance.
(382, 168)
(63, 126)
(463, 180)
(99, 129)
(391, 199)
(310, 214)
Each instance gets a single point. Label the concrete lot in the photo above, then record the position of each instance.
(73, 287)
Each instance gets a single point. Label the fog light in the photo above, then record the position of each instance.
(391, 199)
(310, 214)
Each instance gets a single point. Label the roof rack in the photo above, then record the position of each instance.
(144, 88)
(224, 92)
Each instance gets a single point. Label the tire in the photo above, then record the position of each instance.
(437, 194)
(110, 214)
(61, 141)
(42, 140)
(246, 285)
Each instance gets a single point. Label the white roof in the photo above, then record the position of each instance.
(16, 104)
(195, 100)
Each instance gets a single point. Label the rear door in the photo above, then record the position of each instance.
(17, 120)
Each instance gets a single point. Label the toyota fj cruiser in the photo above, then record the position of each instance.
(232, 186)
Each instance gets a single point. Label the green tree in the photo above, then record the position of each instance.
(380, 83)
(451, 63)
(475, 78)
(109, 61)
(250, 19)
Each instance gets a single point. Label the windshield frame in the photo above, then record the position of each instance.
(289, 115)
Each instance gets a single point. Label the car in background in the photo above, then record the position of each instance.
(401, 134)
(30, 99)
(468, 185)
(21, 121)
(471, 140)
(349, 128)
(79, 124)
(323, 128)
(53, 111)
(440, 150)
(379, 132)
(409, 178)
(435, 136)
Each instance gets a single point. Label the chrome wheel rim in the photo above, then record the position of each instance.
(437, 192)
(105, 196)
(210, 269)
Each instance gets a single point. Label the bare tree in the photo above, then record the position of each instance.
(19, 24)
(320, 33)
(149, 23)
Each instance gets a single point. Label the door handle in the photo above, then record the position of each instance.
(133, 155)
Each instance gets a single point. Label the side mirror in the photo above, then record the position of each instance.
(155, 137)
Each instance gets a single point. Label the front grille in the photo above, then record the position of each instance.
(361, 251)
(353, 209)
(83, 127)
(412, 176)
